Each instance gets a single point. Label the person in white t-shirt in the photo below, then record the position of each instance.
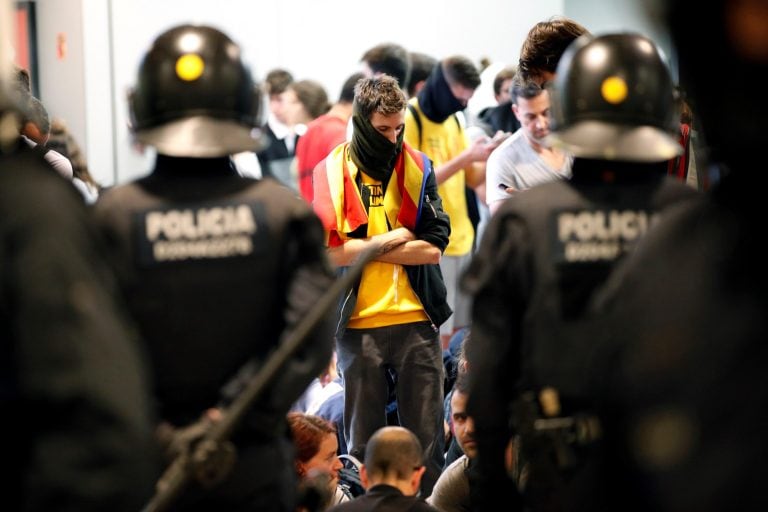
(525, 159)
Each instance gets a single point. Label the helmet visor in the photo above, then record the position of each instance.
(201, 137)
(607, 141)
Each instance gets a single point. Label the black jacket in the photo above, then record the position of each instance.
(215, 269)
(384, 498)
(498, 118)
(543, 256)
(73, 386)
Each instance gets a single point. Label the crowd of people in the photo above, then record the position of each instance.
(548, 311)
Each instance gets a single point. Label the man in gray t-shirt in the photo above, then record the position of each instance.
(524, 160)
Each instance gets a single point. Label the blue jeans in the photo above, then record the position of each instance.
(414, 352)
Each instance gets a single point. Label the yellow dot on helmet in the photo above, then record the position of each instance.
(614, 89)
(189, 67)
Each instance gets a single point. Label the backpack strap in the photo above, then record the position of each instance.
(417, 118)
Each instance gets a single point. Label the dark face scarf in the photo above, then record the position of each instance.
(372, 152)
(436, 100)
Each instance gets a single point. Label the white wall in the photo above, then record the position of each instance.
(77, 87)
(601, 16)
(62, 80)
(322, 40)
(318, 39)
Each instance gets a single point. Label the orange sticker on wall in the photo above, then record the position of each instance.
(61, 46)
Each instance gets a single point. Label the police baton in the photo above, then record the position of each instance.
(213, 456)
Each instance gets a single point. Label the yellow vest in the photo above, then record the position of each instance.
(442, 143)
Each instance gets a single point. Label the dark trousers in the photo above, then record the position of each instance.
(413, 351)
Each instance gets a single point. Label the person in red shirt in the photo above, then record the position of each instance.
(322, 135)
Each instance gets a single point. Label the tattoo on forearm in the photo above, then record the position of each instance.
(388, 246)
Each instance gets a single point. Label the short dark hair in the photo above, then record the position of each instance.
(525, 88)
(391, 59)
(460, 70)
(393, 451)
(503, 75)
(347, 94)
(421, 67)
(545, 44)
(312, 95)
(462, 383)
(22, 79)
(277, 81)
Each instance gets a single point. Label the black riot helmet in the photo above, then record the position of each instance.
(613, 99)
(194, 96)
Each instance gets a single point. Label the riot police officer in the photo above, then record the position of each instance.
(548, 249)
(73, 390)
(214, 266)
(680, 368)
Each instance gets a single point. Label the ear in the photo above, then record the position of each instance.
(364, 477)
(416, 480)
(514, 111)
(300, 471)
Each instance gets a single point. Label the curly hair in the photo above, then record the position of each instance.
(380, 94)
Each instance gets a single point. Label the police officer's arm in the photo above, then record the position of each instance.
(496, 279)
(75, 351)
(309, 275)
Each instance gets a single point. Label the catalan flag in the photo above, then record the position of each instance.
(337, 199)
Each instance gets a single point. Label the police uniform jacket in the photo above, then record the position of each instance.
(543, 255)
(73, 389)
(214, 268)
(683, 355)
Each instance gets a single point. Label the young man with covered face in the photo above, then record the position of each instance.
(435, 125)
(378, 191)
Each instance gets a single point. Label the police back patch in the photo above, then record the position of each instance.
(599, 235)
(206, 231)
(585, 244)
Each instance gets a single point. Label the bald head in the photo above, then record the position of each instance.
(393, 452)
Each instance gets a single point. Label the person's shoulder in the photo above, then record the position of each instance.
(509, 149)
(36, 180)
(60, 163)
(461, 463)
(534, 199)
(331, 129)
(517, 139)
(90, 194)
(422, 506)
(353, 505)
(341, 495)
